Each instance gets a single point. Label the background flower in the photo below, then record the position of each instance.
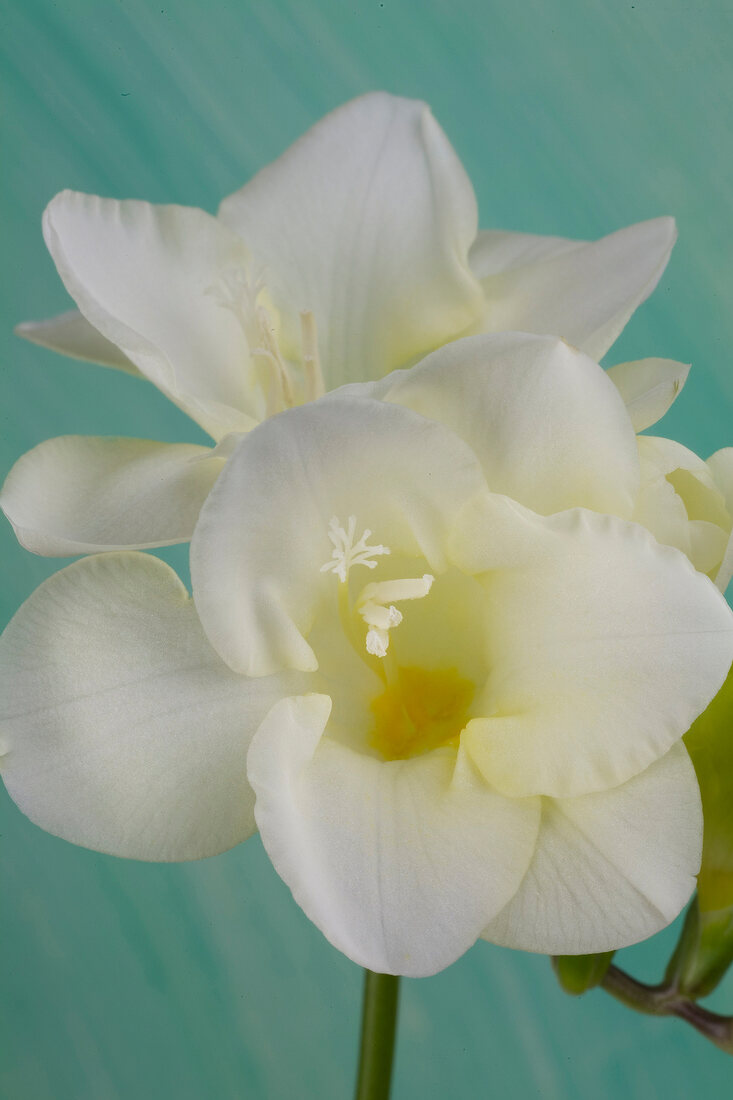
(544, 407)
(353, 253)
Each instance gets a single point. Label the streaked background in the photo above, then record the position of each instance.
(126, 981)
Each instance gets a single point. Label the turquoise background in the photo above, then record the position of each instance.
(126, 981)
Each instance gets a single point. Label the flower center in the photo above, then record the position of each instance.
(375, 602)
(429, 672)
(423, 709)
(284, 384)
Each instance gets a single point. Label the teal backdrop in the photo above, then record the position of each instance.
(127, 981)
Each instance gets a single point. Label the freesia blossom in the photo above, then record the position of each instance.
(355, 253)
(684, 501)
(450, 699)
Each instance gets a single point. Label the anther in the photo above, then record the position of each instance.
(374, 604)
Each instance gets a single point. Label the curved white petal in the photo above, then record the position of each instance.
(660, 457)
(395, 862)
(498, 250)
(691, 478)
(263, 533)
(611, 868)
(585, 294)
(122, 730)
(71, 334)
(725, 569)
(659, 508)
(682, 503)
(648, 388)
(79, 494)
(547, 424)
(366, 220)
(708, 544)
(720, 465)
(604, 647)
(146, 277)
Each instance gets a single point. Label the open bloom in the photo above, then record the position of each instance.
(684, 501)
(659, 483)
(355, 253)
(451, 702)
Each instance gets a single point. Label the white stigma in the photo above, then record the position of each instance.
(285, 383)
(237, 289)
(346, 552)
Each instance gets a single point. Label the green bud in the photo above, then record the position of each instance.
(704, 952)
(579, 973)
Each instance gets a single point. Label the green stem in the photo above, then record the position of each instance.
(378, 1025)
(666, 1001)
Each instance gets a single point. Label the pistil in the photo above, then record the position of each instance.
(239, 292)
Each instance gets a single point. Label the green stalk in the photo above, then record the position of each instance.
(378, 1026)
(666, 1001)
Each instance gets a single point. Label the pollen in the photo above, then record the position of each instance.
(423, 709)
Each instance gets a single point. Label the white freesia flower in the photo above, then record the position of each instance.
(684, 501)
(355, 253)
(449, 714)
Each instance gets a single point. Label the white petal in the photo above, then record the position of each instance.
(366, 221)
(611, 868)
(661, 511)
(725, 569)
(498, 250)
(720, 465)
(604, 647)
(263, 533)
(648, 388)
(79, 494)
(122, 729)
(675, 483)
(549, 428)
(584, 294)
(395, 862)
(660, 456)
(145, 277)
(708, 544)
(71, 334)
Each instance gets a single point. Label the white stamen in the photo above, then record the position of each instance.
(271, 351)
(379, 613)
(314, 385)
(411, 588)
(382, 618)
(346, 552)
(239, 289)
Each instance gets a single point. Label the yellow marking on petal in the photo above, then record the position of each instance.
(423, 709)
